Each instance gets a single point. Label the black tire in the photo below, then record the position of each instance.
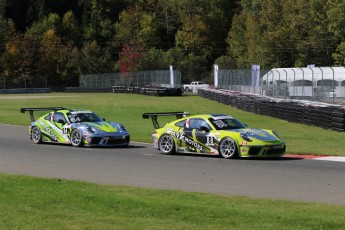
(76, 138)
(36, 135)
(228, 148)
(166, 144)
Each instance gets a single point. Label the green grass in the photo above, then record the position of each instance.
(128, 108)
(32, 203)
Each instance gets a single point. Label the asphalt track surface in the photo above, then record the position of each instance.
(142, 166)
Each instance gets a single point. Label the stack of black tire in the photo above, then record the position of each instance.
(305, 112)
(150, 91)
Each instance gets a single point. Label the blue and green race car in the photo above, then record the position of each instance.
(214, 134)
(75, 127)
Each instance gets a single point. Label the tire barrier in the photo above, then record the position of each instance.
(150, 91)
(25, 90)
(87, 90)
(304, 112)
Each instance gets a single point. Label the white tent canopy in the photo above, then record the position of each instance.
(308, 76)
(312, 82)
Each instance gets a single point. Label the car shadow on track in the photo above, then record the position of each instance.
(282, 158)
(130, 146)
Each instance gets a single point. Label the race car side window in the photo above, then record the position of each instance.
(197, 123)
(48, 117)
(59, 117)
(181, 123)
(226, 123)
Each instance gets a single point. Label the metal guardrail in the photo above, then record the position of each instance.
(306, 112)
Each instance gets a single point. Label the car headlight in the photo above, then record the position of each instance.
(246, 137)
(123, 128)
(276, 134)
(91, 130)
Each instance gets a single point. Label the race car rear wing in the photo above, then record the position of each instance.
(154, 116)
(31, 110)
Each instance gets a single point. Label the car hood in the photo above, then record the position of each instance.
(102, 126)
(258, 134)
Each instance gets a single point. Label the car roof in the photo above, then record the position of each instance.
(72, 110)
(215, 116)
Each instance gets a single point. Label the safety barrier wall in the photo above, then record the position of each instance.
(150, 91)
(305, 112)
(25, 90)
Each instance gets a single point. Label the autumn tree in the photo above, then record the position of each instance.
(130, 56)
(68, 65)
(70, 28)
(25, 60)
(136, 24)
(10, 50)
(93, 59)
(335, 11)
(50, 53)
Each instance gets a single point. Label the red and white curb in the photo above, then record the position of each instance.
(321, 158)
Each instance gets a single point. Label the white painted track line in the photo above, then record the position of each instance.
(313, 157)
(338, 159)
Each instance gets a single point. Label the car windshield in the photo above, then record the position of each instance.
(83, 116)
(226, 122)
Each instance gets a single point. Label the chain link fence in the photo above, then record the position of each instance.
(239, 80)
(24, 83)
(156, 78)
(324, 84)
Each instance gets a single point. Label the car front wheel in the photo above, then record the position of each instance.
(76, 138)
(228, 148)
(166, 144)
(36, 135)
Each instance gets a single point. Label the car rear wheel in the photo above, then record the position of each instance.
(36, 135)
(166, 144)
(228, 148)
(76, 138)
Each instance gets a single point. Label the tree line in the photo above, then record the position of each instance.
(60, 40)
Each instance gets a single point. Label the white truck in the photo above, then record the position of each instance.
(194, 86)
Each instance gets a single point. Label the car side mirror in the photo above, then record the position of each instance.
(204, 128)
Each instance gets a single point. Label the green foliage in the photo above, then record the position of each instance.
(154, 59)
(70, 28)
(335, 10)
(3, 28)
(237, 44)
(94, 59)
(194, 66)
(50, 22)
(270, 33)
(225, 62)
(339, 55)
(24, 59)
(286, 33)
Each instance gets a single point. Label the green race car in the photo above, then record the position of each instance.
(214, 134)
(75, 127)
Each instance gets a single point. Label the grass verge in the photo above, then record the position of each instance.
(32, 203)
